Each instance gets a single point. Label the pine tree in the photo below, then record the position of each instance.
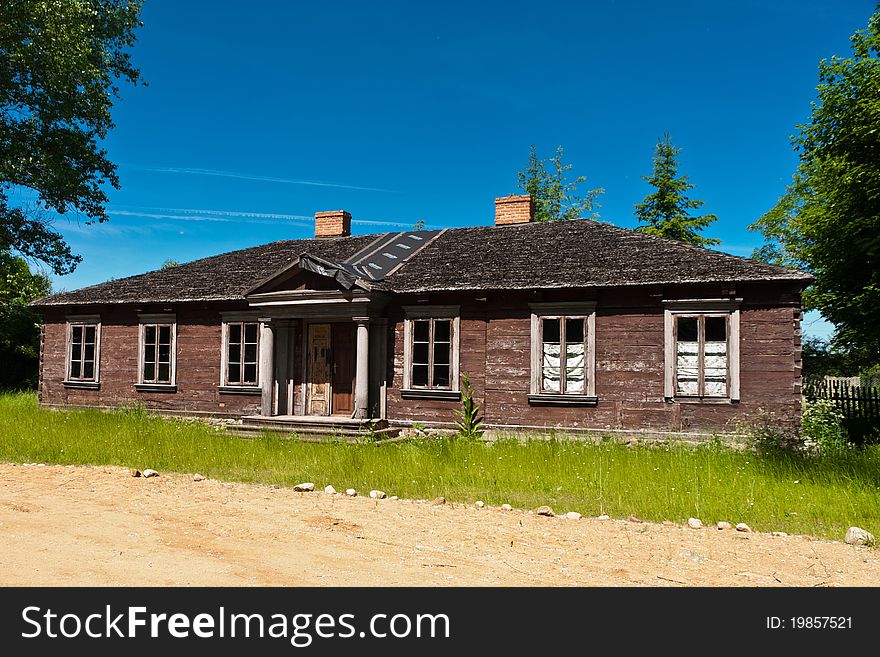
(667, 211)
(554, 196)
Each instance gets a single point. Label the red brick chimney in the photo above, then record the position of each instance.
(332, 223)
(514, 210)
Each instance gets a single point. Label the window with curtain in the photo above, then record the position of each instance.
(563, 355)
(702, 355)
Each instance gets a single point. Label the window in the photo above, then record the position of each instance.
(83, 340)
(563, 354)
(242, 353)
(157, 351)
(702, 350)
(431, 352)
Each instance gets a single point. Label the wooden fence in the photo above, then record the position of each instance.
(860, 406)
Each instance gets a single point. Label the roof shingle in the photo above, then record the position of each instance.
(580, 253)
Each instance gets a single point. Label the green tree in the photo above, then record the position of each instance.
(828, 220)
(554, 195)
(19, 327)
(666, 212)
(59, 64)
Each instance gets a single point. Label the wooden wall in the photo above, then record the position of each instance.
(198, 364)
(495, 351)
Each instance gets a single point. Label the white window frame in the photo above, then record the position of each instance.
(157, 319)
(673, 308)
(541, 311)
(451, 313)
(83, 320)
(228, 319)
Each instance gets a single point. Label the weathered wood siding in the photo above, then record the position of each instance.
(495, 351)
(198, 364)
(495, 344)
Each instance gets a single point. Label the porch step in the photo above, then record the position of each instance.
(314, 428)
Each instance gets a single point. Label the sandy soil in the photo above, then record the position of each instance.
(100, 526)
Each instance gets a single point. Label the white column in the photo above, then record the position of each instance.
(267, 363)
(362, 369)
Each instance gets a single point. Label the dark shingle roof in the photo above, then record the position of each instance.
(580, 253)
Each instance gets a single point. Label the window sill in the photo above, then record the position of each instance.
(240, 390)
(155, 387)
(702, 400)
(414, 393)
(546, 399)
(82, 385)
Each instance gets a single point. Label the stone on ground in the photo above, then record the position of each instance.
(351, 492)
(377, 494)
(439, 500)
(634, 519)
(329, 490)
(668, 523)
(544, 510)
(198, 477)
(135, 472)
(723, 524)
(604, 516)
(572, 515)
(859, 536)
(695, 523)
(743, 527)
(150, 473)
(479, 504)
(305, 487)
(506, 507)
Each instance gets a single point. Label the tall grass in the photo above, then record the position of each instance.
(797, 495)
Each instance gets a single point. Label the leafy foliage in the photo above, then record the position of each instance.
(822, 427)
(554, 195)
(666, 212)
(469, 421)
(19, 327)
(59, 62)
(170, 263)
(828, 221)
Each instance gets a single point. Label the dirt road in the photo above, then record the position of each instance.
(100, 526)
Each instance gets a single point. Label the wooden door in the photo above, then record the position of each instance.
(318, 370)
(343, 368)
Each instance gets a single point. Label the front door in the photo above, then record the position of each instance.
(342, 355)
(318, 370)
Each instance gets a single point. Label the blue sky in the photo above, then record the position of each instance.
(258, 115)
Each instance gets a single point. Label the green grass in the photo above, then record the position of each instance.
(818, 497)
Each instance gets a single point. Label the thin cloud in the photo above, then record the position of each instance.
(232, 216)
(247, 176)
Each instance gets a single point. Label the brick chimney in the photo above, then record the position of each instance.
(514, 210)
(332, 223)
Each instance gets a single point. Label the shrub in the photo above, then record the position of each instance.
(822, 427)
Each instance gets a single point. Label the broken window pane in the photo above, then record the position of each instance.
(687, 329)
(421, 330)
(574, 331)
(250, 353)
(250, 333)
(441, 376)
(420, 353)
(551, 330)
(441, 354)
(442, 330)
(716, 329)
(420, 376)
